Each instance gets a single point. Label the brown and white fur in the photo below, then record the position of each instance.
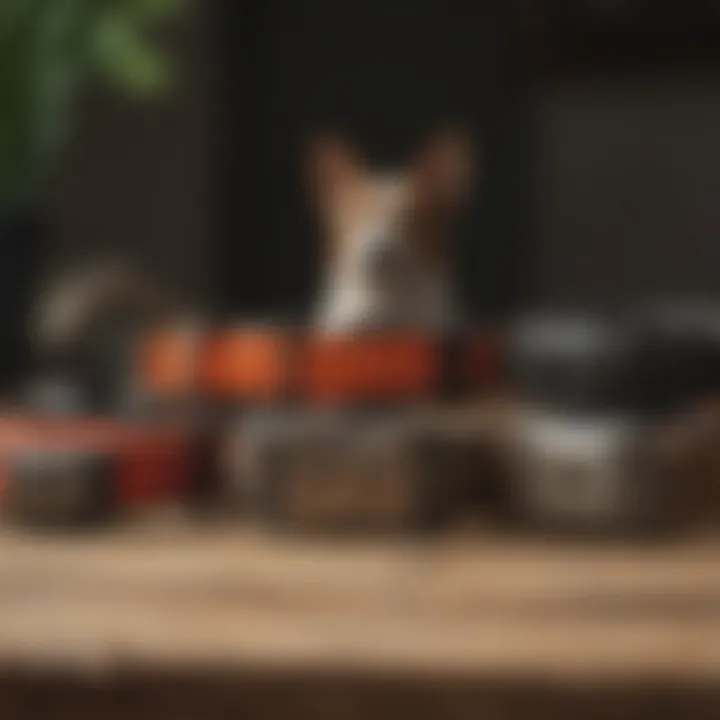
(388, 236)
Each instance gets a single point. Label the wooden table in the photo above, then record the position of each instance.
(475, 609)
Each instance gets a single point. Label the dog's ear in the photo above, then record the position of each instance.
(444, 170)
(332, 165)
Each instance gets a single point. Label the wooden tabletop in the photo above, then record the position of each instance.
(169, 595)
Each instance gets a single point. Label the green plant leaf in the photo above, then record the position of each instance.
(11, 15)
(48, 50)
(126, 59)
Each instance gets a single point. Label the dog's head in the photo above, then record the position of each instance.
(384, 230)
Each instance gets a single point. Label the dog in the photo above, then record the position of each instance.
(388, 252)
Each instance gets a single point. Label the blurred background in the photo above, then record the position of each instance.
(170, 133)
(596, 121)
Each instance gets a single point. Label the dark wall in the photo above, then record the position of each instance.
(137, 179)
(627, 182)
(626, 170)
(205, 187)
(595, 184)
(386, 74)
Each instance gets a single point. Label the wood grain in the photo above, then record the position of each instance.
(164, 594)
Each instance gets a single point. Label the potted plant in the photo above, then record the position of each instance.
(50, 50)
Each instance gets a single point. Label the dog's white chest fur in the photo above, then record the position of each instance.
(424, 302)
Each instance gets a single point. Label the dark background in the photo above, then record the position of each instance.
(596, 121)
(386, 74)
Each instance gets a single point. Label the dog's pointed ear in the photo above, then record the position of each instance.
(444, 170)
(332, 164)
